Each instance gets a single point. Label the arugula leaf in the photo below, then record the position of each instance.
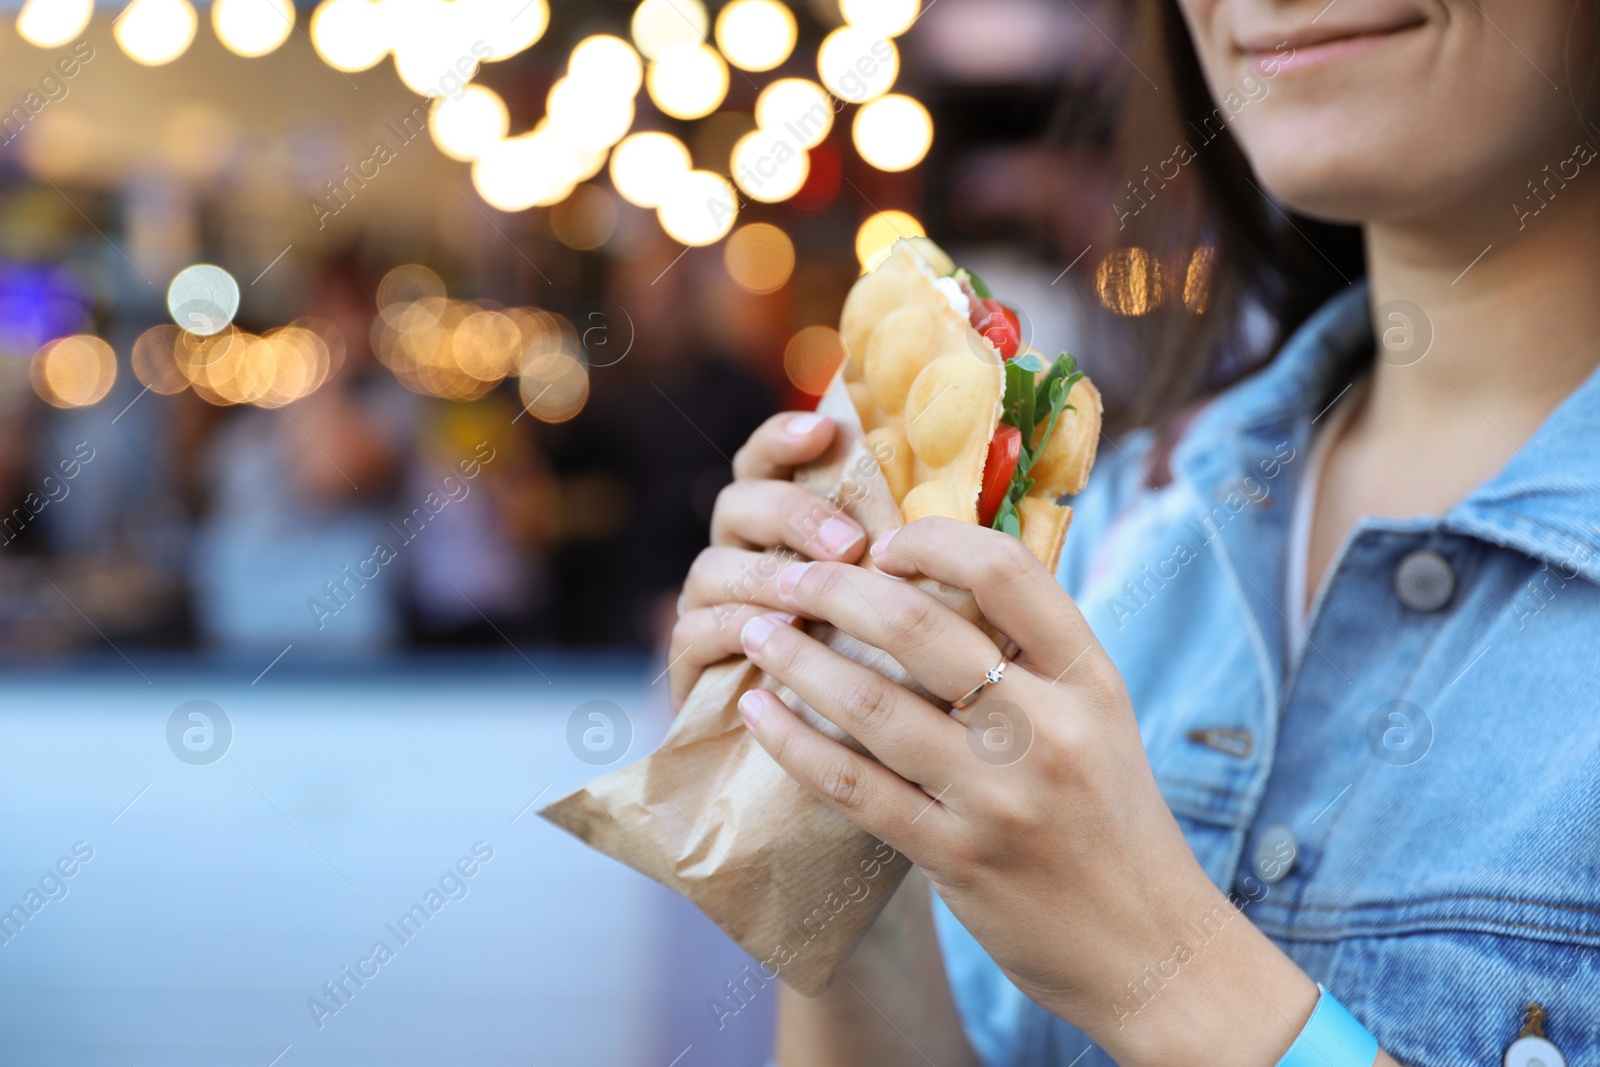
(1029, 361)
(1019, 405)
(1007, 519)
(1065, 367)
(1026, 403)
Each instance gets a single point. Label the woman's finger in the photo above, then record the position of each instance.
(733, 575)
(1014, 590)
(910, 736)
(703, 637)
(781, 444)
(944, 652)
(868, 794)
(764, 514)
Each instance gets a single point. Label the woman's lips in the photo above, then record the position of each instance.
(1287, 57)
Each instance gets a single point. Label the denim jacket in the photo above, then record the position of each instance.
(1405, 797)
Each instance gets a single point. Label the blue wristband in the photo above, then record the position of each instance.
(1332, 1038)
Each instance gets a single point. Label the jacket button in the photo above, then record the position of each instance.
(1533, 1052)
(1275, 853)
(1424, 581)
(1531, 1048)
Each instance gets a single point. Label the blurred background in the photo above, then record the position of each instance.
(368, 372)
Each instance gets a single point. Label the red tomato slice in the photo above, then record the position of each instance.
(999, 324)
(1004, 452)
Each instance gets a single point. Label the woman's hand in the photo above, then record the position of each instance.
(760, 520)
(1033, 811)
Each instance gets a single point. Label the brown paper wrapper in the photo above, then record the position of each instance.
(709, 814)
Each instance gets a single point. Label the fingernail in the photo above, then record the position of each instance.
(756, 632)
(790, 576)
(801, 425)
(837, 536)
(882, 543)
(750, 708)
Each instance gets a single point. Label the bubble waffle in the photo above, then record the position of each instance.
(929, 391)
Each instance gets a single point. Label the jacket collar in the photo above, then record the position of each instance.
(1251, 444)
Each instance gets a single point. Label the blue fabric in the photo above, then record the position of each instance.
(1447, 868)
(1332, 1037)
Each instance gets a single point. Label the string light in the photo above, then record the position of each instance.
(506, 27)
(644, 166)
(893, 132)
(662, 24)
(52, 23)
(349, 35)
(155, 32)
(606, 64)
(882, 18)
(699, 208)
(688, 81)
(857, 66)
(768, 167)
(798, 107)
(465, 126)
(536, 169)
(586, 119)
(879, 233)
(756, 35)
(252, 28)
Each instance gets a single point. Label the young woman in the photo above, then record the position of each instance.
(1313, 702)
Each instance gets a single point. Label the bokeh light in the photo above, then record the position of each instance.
(768, 166)
(1130, 281)
(51, 23)
(1197, 279)
(662, 24)
(893, 132)
(607, 65)
(535, 169)
(688, 81)
(756, 35)
(349, 35)
(506, 27)
(431, 55)
(586, 219)
(464, 126)
(153, 32)
(812, 357)
(586, 119)
(699, 208)
(407, 284)
(203, 299)
(644, 166)
(252, 28)
(881, 18)
(487, 345)
(879, 233)
(798, 107)
(155, 361)
(421, 341)
(554, 386)
(759, 257)
(74, 372)
(857, 66)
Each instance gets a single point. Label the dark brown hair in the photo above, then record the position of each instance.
(1269, 263)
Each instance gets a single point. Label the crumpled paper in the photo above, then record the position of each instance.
(709, 814)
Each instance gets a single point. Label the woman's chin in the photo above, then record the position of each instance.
(1338, 190)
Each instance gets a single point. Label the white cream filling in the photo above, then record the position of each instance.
(953, 294)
